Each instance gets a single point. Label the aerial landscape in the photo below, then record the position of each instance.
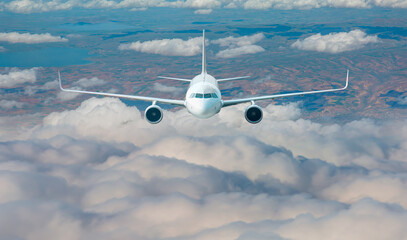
(323, 166)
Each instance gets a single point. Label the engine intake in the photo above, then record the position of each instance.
(253, 114)
(153, 114)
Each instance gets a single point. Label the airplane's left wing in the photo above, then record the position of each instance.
(251, 99)
(233, 78)
(142, 98)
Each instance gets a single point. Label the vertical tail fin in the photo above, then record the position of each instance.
(203, 53)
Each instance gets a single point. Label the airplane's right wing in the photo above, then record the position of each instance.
(142, 98)
(251, 99)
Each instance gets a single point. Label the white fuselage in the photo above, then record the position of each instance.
(203, 98)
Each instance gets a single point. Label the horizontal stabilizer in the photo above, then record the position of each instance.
(178, 79)
(234, 78)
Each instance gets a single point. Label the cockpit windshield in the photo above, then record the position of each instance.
(206, 95)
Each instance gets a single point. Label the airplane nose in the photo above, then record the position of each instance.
(202, 110)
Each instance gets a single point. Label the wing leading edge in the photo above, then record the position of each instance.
(243, 100)
(142, 98)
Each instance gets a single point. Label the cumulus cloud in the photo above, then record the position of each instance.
(402, 100)
(167, 89)
(335, 42)
(10, 104)
(237, 46)
(167, 47)
(2, 49)
(81, 84)
(15, 76)
(292, 4)
(286, 178)
(15, 37)
(237, 51)
(203, 11)
(90, 82)
(239, 41)
(198, 4)
(29, 6)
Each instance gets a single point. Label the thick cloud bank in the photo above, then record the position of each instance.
(204, 6)
(102, 172)
(335, 42)
(15, 37)
(167, 47)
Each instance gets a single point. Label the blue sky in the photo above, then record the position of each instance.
(318, 167)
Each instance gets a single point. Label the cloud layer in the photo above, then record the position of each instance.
(15, 37)
(335, 42)
(102, 172)
(167, 47)
(29, 6)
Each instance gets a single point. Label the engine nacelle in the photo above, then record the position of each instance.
(253, 114)
(153, 114)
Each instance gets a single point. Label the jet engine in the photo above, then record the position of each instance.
(153, 114)
(253, 114)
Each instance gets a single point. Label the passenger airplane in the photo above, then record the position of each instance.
(203, 98)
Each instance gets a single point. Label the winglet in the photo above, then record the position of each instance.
(203, 53)
(60, 84)
(347, 80)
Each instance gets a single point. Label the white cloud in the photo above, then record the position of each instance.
(239, 41)
(9, 104)
(363, 220)
(237, 46)
(68, 96)
(199, 4)
(278, 4)
(90, 82)
(15, 37)
(178, 47)
(203, 11)
(167, 89)
(335, 42)
(2, 49)
(309, 4)
(167, 47)
(29, 6)
(81, 84)
(391, 3)
(402, 100)
(16, 77)
(101, 172)
(237, 51)
(139, 9)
